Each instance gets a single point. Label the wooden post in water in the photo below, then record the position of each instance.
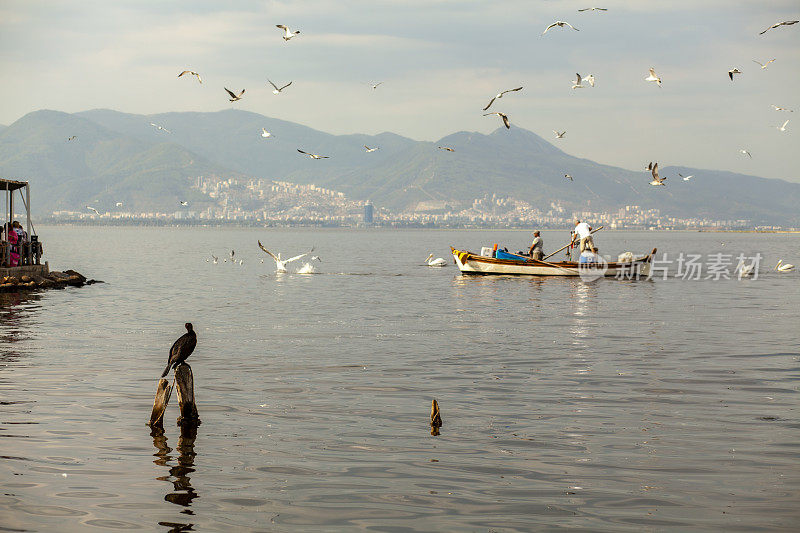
(160, 404)
(436, 418)
(185, 384)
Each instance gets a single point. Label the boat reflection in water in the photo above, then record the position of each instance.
(183, 493)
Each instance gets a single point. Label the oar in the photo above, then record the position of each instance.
(570, 242)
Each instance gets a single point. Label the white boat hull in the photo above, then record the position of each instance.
(470, 263)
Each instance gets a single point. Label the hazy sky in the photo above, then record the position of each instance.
(440, 62)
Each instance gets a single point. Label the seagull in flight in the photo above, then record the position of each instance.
(184, 204)
(560, 24)
(96, 212)
(369, 150)
(783, 127)
(280, 264)
(653, 77)
(686, 178)
(500, 95)
(733, 71)
(568, 177)
(72, 138)
(590, 79)
(446, 148)
(784, 23)
(593, 9)
(233, 96)
(193, 73)
(277, 90)
(560, 135)
(287, 33)
(375, 85)
(764, 65)
(160, 128)
(743, 151)
(778, 108)
(578, 84)
(501, 115)
(653, 168)
(265, 133)
(313, 156)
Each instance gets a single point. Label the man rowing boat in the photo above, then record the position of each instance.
(583, 231)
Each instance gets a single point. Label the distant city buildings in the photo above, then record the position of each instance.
(274, 202)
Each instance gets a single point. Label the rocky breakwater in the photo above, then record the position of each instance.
(53, 280)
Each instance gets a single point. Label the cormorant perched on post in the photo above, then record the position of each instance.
(181, 349)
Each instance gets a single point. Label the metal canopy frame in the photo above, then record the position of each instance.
(9, 186)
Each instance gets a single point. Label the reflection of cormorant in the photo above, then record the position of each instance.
(181, 349)
(183, 493)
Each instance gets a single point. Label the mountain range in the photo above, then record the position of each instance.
(122, 157)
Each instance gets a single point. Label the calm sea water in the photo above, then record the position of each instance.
(605, 406)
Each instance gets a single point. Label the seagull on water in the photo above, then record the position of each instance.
(653, 77)
(265, 133)
(783, 127)
(233, 96)
(118, 204)
(784, 23)
(686, 178)
(280, 264)
(593, 9)
(277, 90)
(96, 212)
(369, 150)
(764, 65)
(501, 115)
(560, 24)
(72, 138)
(287, 33)
(743, 151)
(568, 177)
(733, 71)
(653, 168)
(446, 148)
(193, 73)
(160, 128)
(560, 135)
(578, 84)
(500, 95)
(778, 108)
(313, 156)
(783, 267)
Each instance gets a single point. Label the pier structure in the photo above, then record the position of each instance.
(30, 251)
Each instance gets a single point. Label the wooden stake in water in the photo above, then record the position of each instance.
(436, 418)
(163, 393)
(185, 384)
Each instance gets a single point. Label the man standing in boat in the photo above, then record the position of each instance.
(583, 231)
(536, 250)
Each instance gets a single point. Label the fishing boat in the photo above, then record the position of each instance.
(514, 264)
